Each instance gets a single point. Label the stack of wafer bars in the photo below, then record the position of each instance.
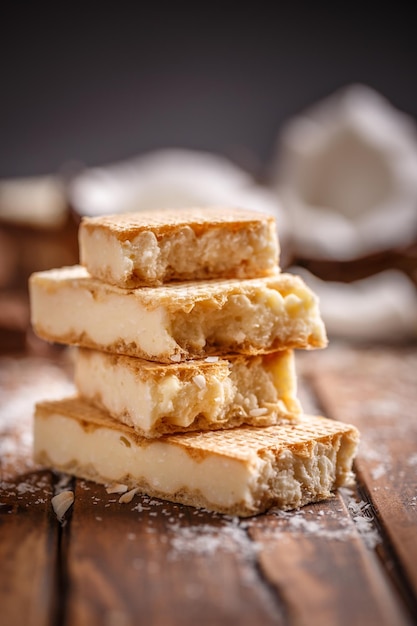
(185, 329)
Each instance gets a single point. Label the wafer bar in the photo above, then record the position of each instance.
(177, 321)
(242, 471)
(202, 394)
(151, 248)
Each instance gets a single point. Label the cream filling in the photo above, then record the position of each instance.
(106, 320)
(104, 254)
(149, 258)
(258, 318)
(142, 403)
(186, 253)
(202, 319)
(141, 397)
(283, 372)
(164, 466)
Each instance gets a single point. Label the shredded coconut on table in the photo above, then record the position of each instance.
(34, 489)
(297, 521)
(378, 471)
(205, 539)
(23, 382)
(363, 519)
(231, 534)
(412, 460)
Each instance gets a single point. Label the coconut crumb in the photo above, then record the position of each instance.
(378, 471)
(258, 412)
(297, 521)
(412, 460)
(211, 359)
(200, 381)
(175, 358)
(206, 540)
(117, 488)
(363, 518)
(61, 503)
(128, 496)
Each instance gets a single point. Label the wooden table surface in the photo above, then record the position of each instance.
(350, 560)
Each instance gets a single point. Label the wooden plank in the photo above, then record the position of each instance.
(322, 571)
(161, 563)
(153, 562)
(29, 531)
(28, 551)
(376, 389)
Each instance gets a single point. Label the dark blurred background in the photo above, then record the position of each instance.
(102, 82)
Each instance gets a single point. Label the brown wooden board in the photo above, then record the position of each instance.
(29, 532)
(173, 564)
(28, 551)
(323, 571)
(376, 390)
(350, 560)
(160, 562)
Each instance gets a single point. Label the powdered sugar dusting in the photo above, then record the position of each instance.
(230, 534)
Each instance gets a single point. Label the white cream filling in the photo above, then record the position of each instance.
(107, 319)
(142, 403)
(218, 315)
(118, 389)
(104, 254)
(164, 466)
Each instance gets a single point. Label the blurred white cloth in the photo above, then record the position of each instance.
(37, 202)
(382, 307)
(173, 178)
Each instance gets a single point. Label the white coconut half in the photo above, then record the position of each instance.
(345, 171)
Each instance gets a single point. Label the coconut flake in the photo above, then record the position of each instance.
(258, 412)
(128, 496)
(117, 488)
(347, 171)
(200, 381)
(61, 503)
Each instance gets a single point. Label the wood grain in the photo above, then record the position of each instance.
(322, 572)
(29, 531)
(161, 564)
(167, 563)
(28, 552)
(375, 389)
